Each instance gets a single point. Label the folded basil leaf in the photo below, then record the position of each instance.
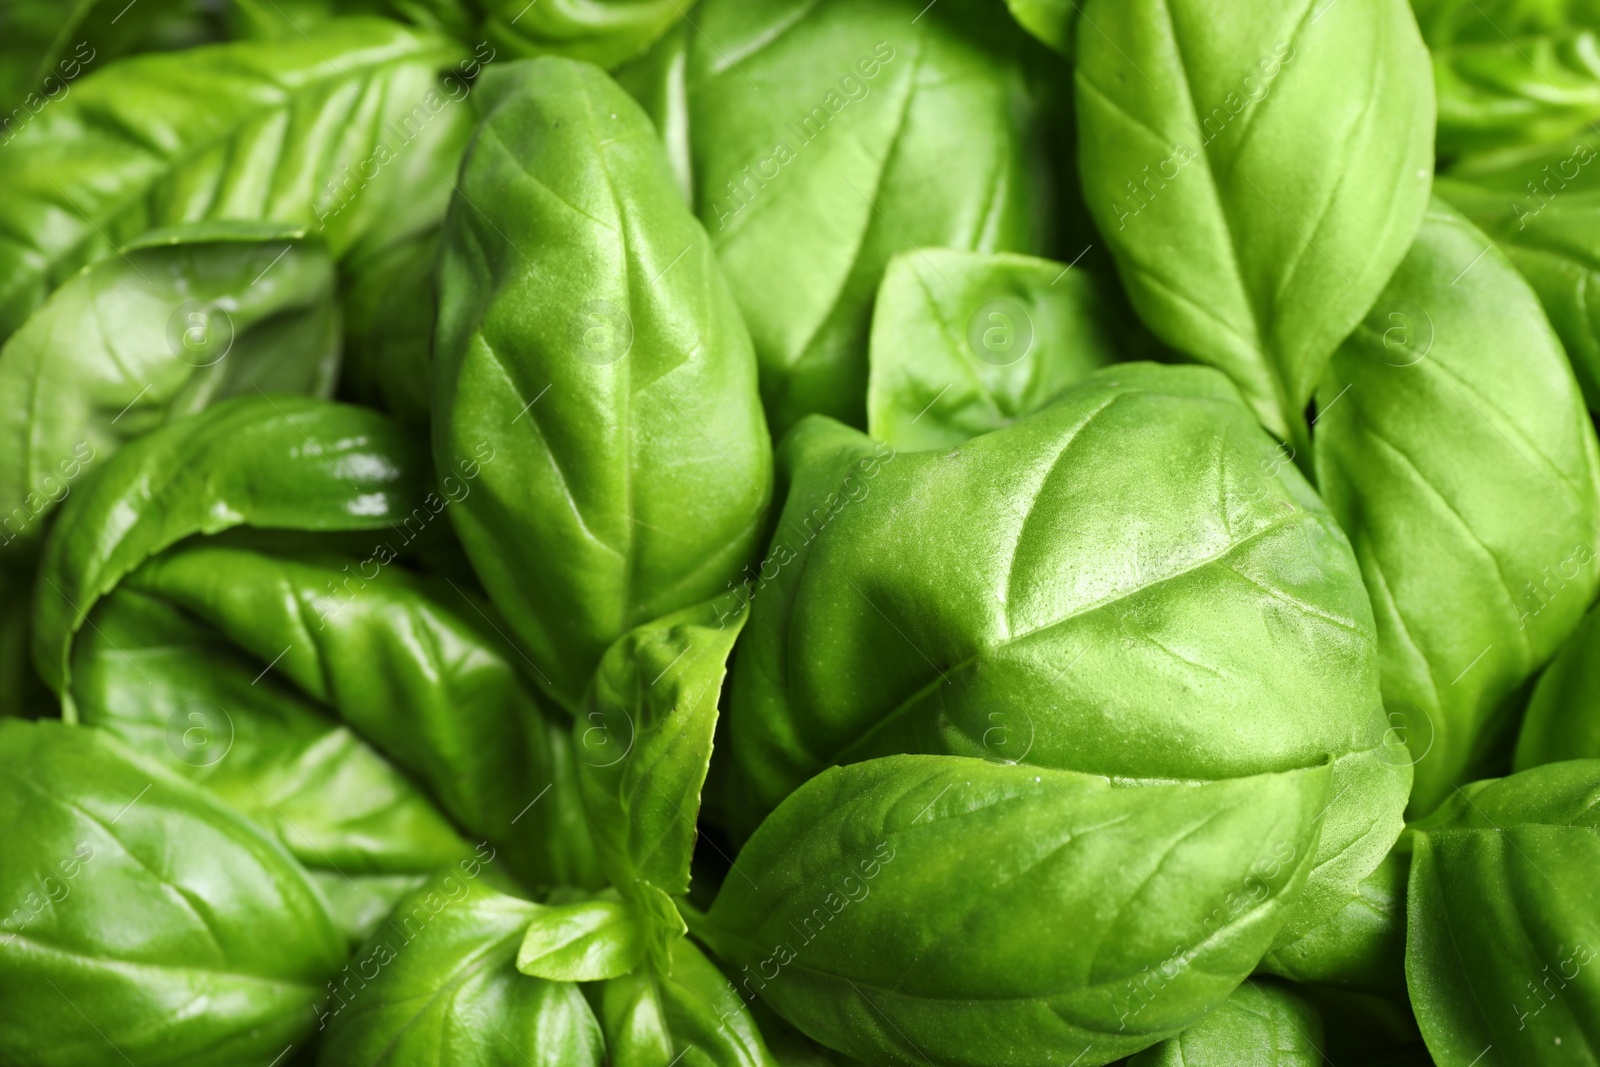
(689, 1014)
(388, 329)
(643, 746)
(1052, 21)
(182, 318)
(1563, 717)
(1511, 72)
(586, 339)
(437, 987)
(965, 342)
(178, 692)
(415, 670)
(894, 909)
(144, 918)
(1503, 921)
(1450, 428)
(272, 462)
(1361, 947)
(827, 135)
(1141, 586)
(582, 942)
(1545, 217)
(1259, 1024)
(605, 32)
(1257, 181)
(301, 130)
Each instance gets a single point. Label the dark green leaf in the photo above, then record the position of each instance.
(144, 921)
(388, 329)
(964, 343)
(183, 318)
(587, 341)
(1451, 430)
(1563, 717)
(896, 909)
(1258, 173)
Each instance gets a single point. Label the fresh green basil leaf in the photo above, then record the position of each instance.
(584, 942)
(388, 329)
(1258, 176)
(1450, 429)
(445, 991)
(1054, 22)
(643, 744)
(416, 670)
(964, 343)
(345, 129)
(689, 1015)
(587, 340)
(659, 81)
(1360, 947)
(22, 691)
(1258, 1025)
(827, 135)
(1563, 717)
(895, 909)
(1502, 923)
(1511, 72)
(143, 919)
(1140, 585)
(1548, 225)
(178, 692)
(273, 462)
(604, 32)
(179, 320)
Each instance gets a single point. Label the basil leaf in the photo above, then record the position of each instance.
(137, 902)
(1052, 21)
(1563, 717)
(1546, 219)
(1257, 180)
(445, 991)
(182, 695)
(583, 942)
(1450, 428)
(643, 745)
(1503, 929)
(285, 463)
(389, 314)
(1258, 1024)
(1361, 947)
(964, 343)
(587, 340)
(1140, 585)
(690, 1015)
(295, 131)
(827, 135)
(182, 318)
(894, 909)
(1511, 72)
(604, 32)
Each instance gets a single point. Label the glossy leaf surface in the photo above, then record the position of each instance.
(1257, 1026)
(1258, 174)
(587, 340)
(895, 908)
(1453, 445)
(604, 32)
